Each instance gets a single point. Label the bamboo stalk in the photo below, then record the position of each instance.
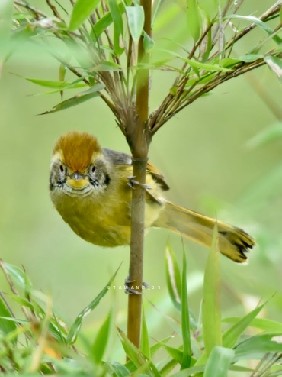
(139, 143)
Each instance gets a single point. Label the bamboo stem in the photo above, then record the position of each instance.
(139, 143)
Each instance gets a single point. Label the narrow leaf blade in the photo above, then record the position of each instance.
(185, 319)
(75, 327)
(6, 326)
(211, 305)
(77, 99)
(219, 362)
(135, 19)
(99, 346)
(145, 342)
(173, 277)
(275, 64)
(258, 345)
(81, 11)
(194, 19)
(231, 336)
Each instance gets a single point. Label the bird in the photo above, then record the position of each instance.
(91, 188)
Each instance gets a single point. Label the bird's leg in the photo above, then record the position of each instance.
(132, 183)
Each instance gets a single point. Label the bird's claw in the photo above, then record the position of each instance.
(132, 288)
(132, 183)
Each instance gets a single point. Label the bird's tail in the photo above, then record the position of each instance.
(233, 242)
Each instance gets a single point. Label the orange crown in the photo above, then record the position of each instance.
(77, 149)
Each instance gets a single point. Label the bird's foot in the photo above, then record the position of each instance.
(132, 288)
(132, 183)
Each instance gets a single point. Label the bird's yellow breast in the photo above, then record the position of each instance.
(103, 218)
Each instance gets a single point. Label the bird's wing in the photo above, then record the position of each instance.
(119, 158)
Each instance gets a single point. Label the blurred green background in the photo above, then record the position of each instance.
(208, 160)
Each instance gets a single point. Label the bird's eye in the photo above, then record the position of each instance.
(93, 168)
(61, 168)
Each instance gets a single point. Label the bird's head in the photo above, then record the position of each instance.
(78, 166)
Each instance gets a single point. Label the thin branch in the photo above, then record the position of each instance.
(172, 103)
(54, 10)
(37, 13)
(244, 68)
(270, 12)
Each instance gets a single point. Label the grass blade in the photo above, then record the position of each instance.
(185, 319)
(231, 336)
(102, 338)
(6, 326)
(81, 11)
(72, 335)
(94, 91)
(137, 357)
(211, 306)
(258, 345)
(219, 362)
(145, 342)
(173, 277)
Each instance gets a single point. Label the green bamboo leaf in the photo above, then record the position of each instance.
(135, 19)
(17, 276)
(160, 344)
(210, 7)
(137, 357)
(145, 342)
(211, 306)
(194, 19)
(262, 25)
(6, 326)
(102, 339)
(228, 62)
(81, 11)
(116, 13)
(59, 85)
(248, 58)
(258, 345)
(175, 353)
(266, 325)
(132, 352)
(77, 99)
(148, 42)
(219, 362)
(209, 67)
(173, 277)
(118, 370)
(275, 64)
(194, 371)
(231, 336)
(101, 25)
(104, 22)
(185, 319)
(105, 66)
(75, 327)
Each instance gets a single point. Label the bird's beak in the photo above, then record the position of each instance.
(77, 181)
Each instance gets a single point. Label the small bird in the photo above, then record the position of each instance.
(91, 189)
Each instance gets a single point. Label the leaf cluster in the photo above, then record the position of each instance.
(40, 342)
(99, 44)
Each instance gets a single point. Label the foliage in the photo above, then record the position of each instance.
(40, 342)
(98, 44)
(97, 50)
